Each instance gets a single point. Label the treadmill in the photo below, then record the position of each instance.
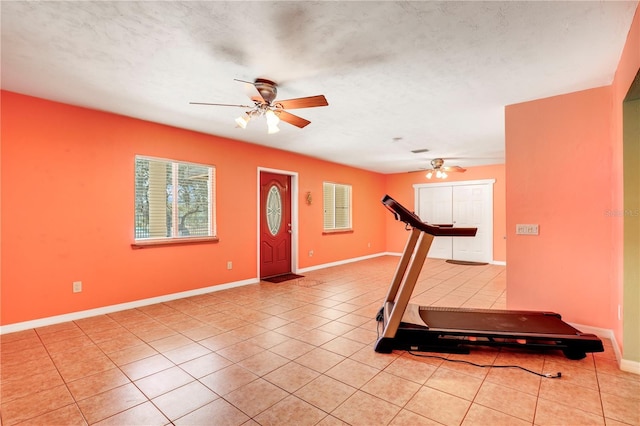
(412, 327)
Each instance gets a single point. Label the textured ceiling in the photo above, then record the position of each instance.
(399, 76)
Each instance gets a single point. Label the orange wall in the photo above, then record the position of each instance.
(559, 175)
(367, 215)
(400, 187)
(564, 172)
(67, 210)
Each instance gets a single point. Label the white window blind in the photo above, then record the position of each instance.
(337, 206)
(173, 199)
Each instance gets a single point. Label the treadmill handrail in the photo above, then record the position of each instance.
(403, 215)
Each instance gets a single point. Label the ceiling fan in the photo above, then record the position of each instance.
(440, 171)
(263, 94)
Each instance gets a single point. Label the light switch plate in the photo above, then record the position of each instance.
(527, 229)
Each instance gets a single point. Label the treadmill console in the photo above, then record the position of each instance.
(402, 214)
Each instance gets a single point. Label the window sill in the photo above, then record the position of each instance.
(337, 231)
(173, 242)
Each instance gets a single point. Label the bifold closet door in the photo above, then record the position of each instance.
(473, 208)
(463, 206)
(435, 206)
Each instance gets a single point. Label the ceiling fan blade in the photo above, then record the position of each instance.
(242, 81)
(292, 119)
(308, 102)
(454, 169)
(231, 105)
(252, 91)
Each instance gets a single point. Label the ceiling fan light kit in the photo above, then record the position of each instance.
(264, 93)
(439, 174)
(243, 120)
(272, 121)
(440, 171)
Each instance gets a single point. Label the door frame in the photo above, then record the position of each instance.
(490, 184)
(294, 216)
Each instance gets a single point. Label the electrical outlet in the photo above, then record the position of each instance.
(77, 286)
(229, 265)
(530, 229)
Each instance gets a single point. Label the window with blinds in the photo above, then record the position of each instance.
(173, 199)
(337, 206)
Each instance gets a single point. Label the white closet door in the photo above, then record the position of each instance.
(435, 207)
(473, 208)
(464, 204)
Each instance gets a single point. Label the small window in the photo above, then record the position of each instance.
(174, 200)
(337, 206)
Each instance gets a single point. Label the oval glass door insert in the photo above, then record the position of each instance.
(274, 210)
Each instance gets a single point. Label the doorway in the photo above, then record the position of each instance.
(275, 225)
(631, 224)
(463, 204)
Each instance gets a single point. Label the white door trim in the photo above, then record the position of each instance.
(294, 216)
(417, 186)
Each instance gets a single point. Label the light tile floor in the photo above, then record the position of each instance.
(298, 353)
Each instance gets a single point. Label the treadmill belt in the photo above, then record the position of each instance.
(495, 321)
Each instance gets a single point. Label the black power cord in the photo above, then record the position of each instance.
(545, 375)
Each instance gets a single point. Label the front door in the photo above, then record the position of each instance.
(275, 224)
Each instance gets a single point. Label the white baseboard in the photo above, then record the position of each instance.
(624, 364)
(604, 333)
(630, 366)
(492, 262)
(42, 322)
(72, 316)
(340, 262)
